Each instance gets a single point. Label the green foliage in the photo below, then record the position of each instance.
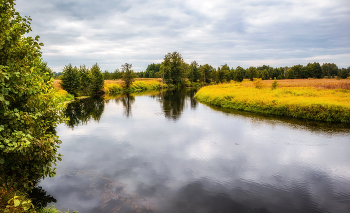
(85, 79)
(205, 71)
(152, 71)
(329, 69)
(128, 75)
(239, 74)
(193, 74)
(19, 204)
(45, 70)
(274, 84)
(172, 69)
(52, 209)
(116, 75)
(97, 81)
(314, 70)
(113, 88)
(252, 73)
(29, 111)
(70, 80)
(222, 73)
(265, 74)
(343, 73)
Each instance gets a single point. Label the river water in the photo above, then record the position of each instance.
(166, 152)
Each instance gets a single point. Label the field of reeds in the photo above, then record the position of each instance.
(321, 100)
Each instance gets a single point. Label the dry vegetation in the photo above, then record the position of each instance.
(314, 99)
(316, 83)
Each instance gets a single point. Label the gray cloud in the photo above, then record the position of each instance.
(141, 32)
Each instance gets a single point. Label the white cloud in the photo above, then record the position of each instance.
(215, 32)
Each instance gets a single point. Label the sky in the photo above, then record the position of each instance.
(237, 32)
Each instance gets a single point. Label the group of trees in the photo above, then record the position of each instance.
(82, 80)
(174, 70)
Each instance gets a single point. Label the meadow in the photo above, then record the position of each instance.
(313, 99)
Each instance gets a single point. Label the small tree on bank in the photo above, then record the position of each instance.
(86, 80)
(71, 79)
(128, 75)
(97, 80)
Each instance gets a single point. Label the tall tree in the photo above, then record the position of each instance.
(252, 73)
(128, 75)
(239, 74)
(97, 80)
(86, 80)
(344, 73)
(193, 74)
(70, 79)
(205, 71)
(173, 69)
(314, 70)
(223, 72)
(29, 111)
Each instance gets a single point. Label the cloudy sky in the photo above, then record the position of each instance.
(237, 32)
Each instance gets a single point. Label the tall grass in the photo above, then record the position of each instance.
(117, 87)
(331, 105)
(63, 95)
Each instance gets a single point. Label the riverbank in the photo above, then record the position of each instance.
(313, 103)
(112, 87)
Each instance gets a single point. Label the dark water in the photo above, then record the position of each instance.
(165, 152)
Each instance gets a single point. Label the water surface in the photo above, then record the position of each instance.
(165, 152)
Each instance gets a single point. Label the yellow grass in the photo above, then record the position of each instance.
(295, 101)
(317, 83)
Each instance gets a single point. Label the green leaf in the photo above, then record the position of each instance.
(17, 203)
(2, 161)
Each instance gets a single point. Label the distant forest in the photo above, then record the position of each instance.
(195, 72)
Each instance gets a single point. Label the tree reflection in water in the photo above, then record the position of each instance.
(83, 110)
(190, 95)
(127, 99)
(173, 103)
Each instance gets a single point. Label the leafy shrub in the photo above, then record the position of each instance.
(258, 83)
(29, 111)
(274, 84)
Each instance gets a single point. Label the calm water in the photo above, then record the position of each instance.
(165, 152)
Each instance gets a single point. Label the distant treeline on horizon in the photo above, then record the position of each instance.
(225, 73)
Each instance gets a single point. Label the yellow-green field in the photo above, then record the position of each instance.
(116, 86)
(112, 87)
(309, 102)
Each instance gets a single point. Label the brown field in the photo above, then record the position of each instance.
(316, 83)
(57, 85)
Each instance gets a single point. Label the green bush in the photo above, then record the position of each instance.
(29, 111)
(70, 80)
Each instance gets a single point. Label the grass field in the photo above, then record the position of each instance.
(314, 99)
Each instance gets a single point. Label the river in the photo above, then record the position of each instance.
(166, 152)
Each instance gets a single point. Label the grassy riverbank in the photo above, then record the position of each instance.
(307, 99)
(117, 86)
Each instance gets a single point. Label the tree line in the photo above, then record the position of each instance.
(82, 80)
(90, 81)
(174, 70)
